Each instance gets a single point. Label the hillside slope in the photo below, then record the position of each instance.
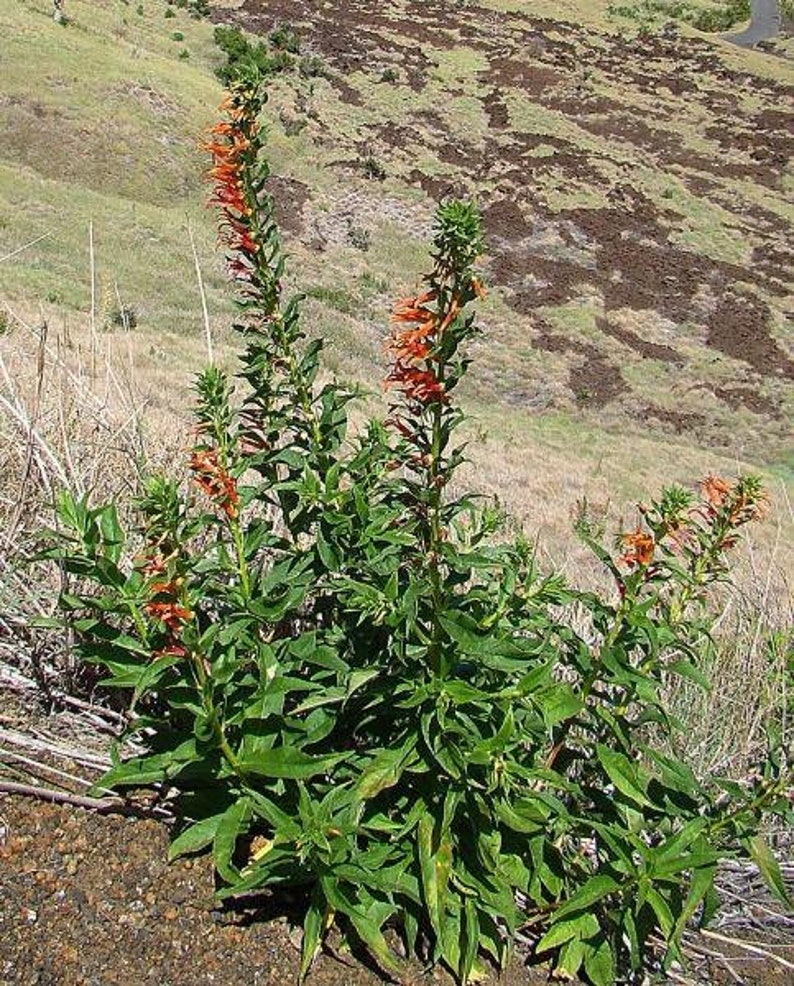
(637, 191)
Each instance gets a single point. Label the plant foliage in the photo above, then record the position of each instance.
(357, 682)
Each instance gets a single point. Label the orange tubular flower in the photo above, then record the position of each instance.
(172, 614)
(414, 344)
(716, 490)
(229, 142)
(418, 385)
(213, 479)
(639, 548)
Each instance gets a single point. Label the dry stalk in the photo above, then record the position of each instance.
(202, 295)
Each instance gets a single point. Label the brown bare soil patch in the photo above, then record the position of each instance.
(91, 899)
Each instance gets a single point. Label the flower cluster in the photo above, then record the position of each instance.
(234, 143)
(211, 477)
(640, 546)
(735, 503)
(412, 344)
(682, 532)
(166, 604)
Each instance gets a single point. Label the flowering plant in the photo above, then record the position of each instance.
(350, 685)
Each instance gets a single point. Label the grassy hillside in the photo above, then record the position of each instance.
(637, 192)
(101, 121)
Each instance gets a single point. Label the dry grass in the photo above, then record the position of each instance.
(73, 415)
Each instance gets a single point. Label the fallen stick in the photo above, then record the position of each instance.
(103, 806)
(748, 947)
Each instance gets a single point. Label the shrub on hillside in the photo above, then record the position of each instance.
(246, 58)
(360, 685)
(721, 16)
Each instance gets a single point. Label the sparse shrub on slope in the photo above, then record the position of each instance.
(250, 59)
(719, 15)
(359, 690)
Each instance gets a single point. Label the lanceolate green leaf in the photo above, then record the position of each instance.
(623, 774)
(599, 962)
(231, 825)
(768, 867)
(289, 762)
(384, 770)
(195, 838)
(435, 859)
(594, 890)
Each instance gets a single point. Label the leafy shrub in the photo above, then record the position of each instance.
(360, 685)
(312, 67)
(123, 317)
(246, 59)
(721, 16)
(285, 38)
(372, 167)
(196, 8)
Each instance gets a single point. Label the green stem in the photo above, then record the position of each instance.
(205, 685)
(588, 684)
(755, 806)
(433, 545)
(242, 564)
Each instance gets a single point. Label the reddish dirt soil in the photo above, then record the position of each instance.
(87, 899)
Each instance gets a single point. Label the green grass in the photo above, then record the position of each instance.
(84, 144)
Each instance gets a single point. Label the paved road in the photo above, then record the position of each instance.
(764, 25)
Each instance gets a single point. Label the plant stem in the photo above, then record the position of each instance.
(434, 541)
(242, 564)
(210, 710)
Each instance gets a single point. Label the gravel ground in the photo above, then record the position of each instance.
(90, 899)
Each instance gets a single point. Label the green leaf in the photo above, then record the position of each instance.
(623, 774)
(135, 773)
(702, 882)
(558, 704)
(596, 888)
(672, 848)
(471, 940)
(463, 693)
(599, 964)
(231, 825)
(662, 911)
(312, 933)
(141, 771)
(571, 957)
(195, 838)
(581, 926)
(436, 866)
(152, 673)
(365, 922)
(384, 770)
(689, 670)
(768, 867)
(289, 762)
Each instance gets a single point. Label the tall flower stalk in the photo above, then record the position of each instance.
(428, 333)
